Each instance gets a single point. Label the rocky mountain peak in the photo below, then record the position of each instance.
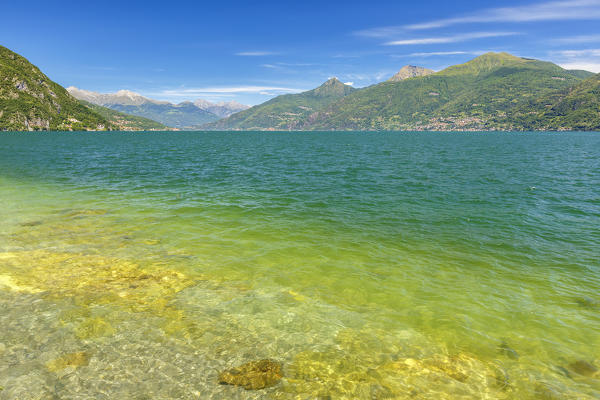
(410, 71)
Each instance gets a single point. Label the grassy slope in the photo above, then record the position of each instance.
(125, 121)
(30, 100)
(576, 108)
(289, 111)
(475, 95)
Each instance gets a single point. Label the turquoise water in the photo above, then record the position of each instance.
(371, 265)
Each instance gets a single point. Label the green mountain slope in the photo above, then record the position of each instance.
(479, 94)
(290, 111)
(125, 122)
(576, 108)
(29, 100)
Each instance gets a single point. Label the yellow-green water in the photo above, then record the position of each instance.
(371, 265)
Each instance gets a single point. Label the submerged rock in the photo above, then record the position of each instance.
(32, 223)
(587, 302)
(83, 212)
(253, 375)
(79, 359)
(94, 327)
(508, 351)
(583, 368)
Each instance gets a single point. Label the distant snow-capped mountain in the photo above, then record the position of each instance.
(123, 97)
(185, 115)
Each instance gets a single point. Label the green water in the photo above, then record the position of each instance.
(371, 265)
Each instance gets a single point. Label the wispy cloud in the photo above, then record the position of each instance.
(579, 39)
(190, 92)
(586, 59)
(449, 39)
(442, 53)
(584, 65)
(362, 79)
(547, 11)
(255, 53)
(282, 65)
(578, 53)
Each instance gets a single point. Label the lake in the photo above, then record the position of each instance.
(369, 265)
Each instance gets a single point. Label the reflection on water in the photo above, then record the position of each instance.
(116, 296)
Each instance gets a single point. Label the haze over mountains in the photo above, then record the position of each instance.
(185, 115)
(495, 91)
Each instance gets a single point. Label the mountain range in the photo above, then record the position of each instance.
(185, 115)
(495, 91)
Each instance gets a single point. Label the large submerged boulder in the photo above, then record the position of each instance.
(253, 375)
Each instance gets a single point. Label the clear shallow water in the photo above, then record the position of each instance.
(371, 265)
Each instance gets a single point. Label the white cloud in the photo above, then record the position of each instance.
(586, 59)
(281, 65)
(579, 39)
(586, 66)
(579, 53)
(365, 79)
(189, 92)
(548, 11)
(445, 53)
(449, 39)
(255, 53)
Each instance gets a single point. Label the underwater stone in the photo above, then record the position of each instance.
(583, 368)
(74, 360)
(253, 375)
(587, 302)
(94, 327)
(508, 351)
(84, 212)
(31, 223)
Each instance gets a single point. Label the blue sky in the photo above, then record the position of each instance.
(252, 51)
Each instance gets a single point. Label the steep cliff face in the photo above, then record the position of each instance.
(29, 100)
